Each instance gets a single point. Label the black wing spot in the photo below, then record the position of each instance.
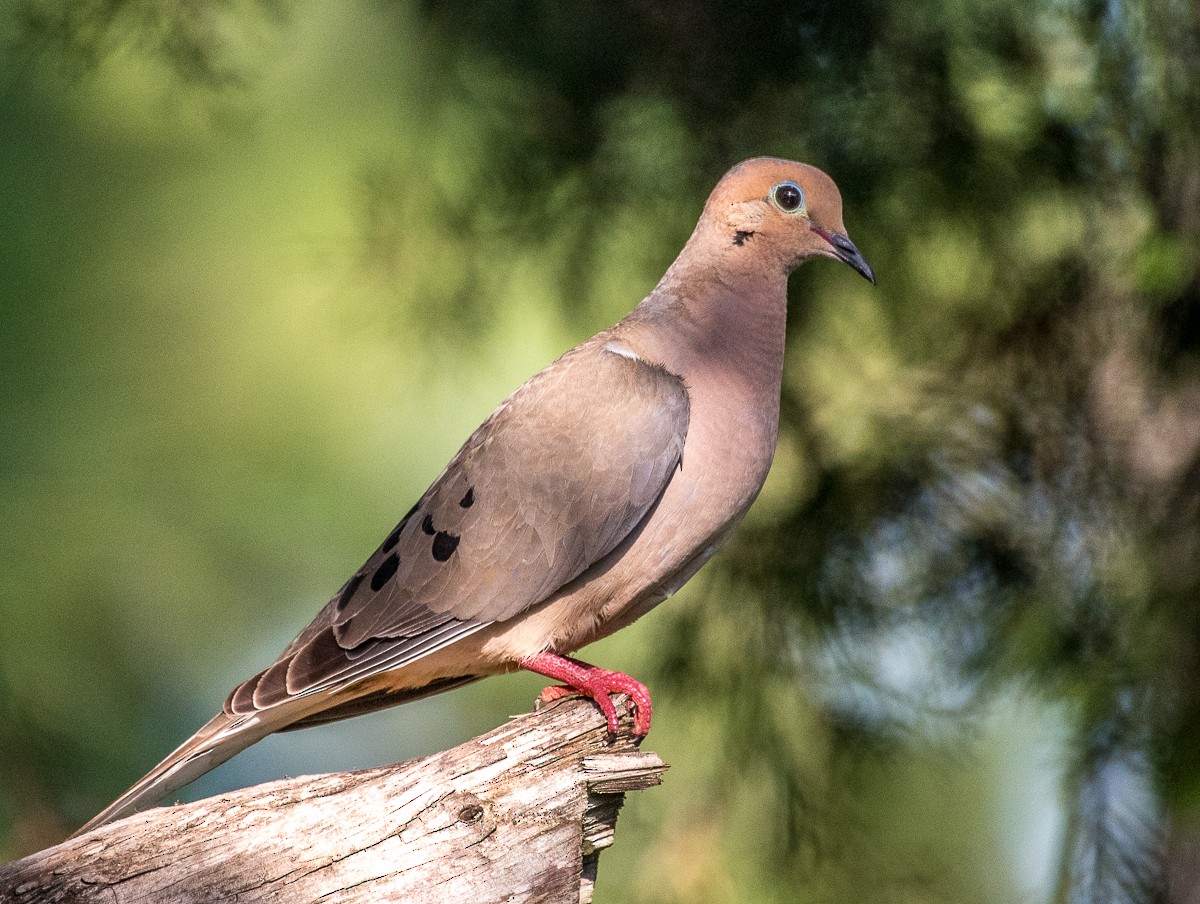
(468, 500)
(444, 545)
(427, 525)
(739, 237)
(348, 591)
(392, 539)
(385, 571)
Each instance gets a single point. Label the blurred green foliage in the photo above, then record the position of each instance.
(267, 263)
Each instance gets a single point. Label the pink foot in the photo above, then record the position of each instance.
(595, 682)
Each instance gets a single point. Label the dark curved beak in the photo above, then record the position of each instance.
(845, 251)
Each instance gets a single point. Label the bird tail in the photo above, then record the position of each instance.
(208, 748)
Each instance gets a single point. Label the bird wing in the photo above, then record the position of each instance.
(547, 486)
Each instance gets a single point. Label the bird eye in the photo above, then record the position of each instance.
(788, 197)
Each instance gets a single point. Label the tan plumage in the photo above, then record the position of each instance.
(591, 494)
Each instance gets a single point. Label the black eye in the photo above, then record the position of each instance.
(788, 197)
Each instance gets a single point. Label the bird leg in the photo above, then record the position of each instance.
(595, 682)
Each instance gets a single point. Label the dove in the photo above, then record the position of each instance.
(589, 496)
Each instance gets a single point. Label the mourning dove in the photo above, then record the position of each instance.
(594, 492)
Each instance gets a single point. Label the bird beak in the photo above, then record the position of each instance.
(845, 251)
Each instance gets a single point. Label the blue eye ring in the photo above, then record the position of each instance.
(788, 197)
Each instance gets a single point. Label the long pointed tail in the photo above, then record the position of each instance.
(208, 748)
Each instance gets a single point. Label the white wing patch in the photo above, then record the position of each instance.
(624, 351)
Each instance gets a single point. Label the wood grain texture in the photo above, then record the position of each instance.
(519, 814)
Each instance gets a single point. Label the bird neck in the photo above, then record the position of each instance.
(716, 315)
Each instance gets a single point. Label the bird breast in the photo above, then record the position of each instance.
(726, 457)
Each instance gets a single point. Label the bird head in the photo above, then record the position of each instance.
(783, 211)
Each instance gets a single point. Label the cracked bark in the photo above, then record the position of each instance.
(519, 814)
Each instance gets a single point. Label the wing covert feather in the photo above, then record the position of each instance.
(547, 486)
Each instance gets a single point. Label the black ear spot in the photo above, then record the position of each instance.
(385, 571)
(468, 500)
(444, 545)
(739, 237)
(427, 525)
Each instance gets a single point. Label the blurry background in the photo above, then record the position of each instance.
(265, 264)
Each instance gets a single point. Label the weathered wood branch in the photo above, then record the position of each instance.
(519, 814)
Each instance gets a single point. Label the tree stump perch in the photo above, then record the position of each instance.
(518, 814)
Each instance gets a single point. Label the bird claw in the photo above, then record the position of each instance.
(596, 683)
